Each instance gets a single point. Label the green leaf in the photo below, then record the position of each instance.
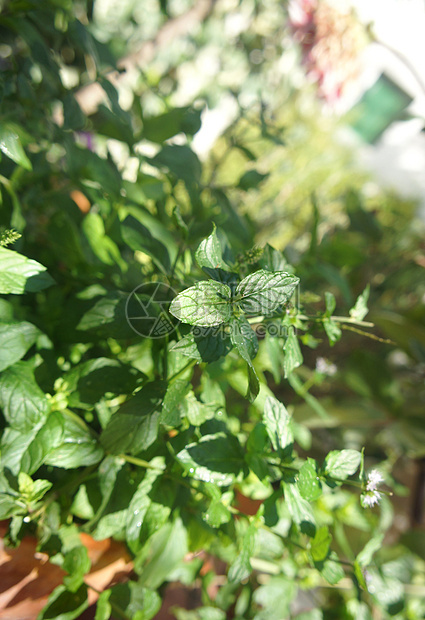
(251, 179)
(314, 614)
(387, 590)
(272, 259)
(10, 145)
(206, 304)
(134, 427)
(333, 331)
(173, 400)
(319, 546)
(165, 126)
(73, 117)
(364, 558)
(299, 509)
(88, 382)
(166, 549)
(342, 463)
(278, 424)
(139, 506)
(215, 458)
(275, 598)
(77, 446)
(24, 405)
(200, 613)
(293, 356)
(40, 444)
(244, 339)
(209, 253)
(330, 302)
(101, 245)
(195, 411)
(137, 602)
(262, 292)
(309, 484)
(181, 161)
(19, 274)
(217, 514)
(241, 568)
(65, 605)
(360, 309)
(139, 238)
(15, 340)
(103, 606)
(77, 565)
(331, 568)
(204, 344)
(32, 490)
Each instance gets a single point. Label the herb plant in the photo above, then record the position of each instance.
(143, 350)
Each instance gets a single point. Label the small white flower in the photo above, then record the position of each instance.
(374, 479)
(370, 498)
(324, 367)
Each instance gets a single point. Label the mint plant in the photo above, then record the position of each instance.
(157, 375)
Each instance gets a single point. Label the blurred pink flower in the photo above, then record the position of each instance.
(330, 41)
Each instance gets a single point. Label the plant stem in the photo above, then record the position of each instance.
(136, 461)
(181, 371)
(338, 319)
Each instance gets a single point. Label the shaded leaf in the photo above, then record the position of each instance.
(244, 339)
(165, 126)
(215, 458)
(64, 604)
(134, 427)
(204, 344)
(139, 238)
(76, 564)
(90, 381)
(181, 161)
(23, 403)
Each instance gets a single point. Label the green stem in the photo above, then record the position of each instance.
(136, 461)
(371, 336)
(181, 371)
(338, 319)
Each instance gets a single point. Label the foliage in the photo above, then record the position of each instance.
(121, 421)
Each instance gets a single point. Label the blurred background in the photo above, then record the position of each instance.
(306, 121)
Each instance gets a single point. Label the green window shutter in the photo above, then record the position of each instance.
(380, 106)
